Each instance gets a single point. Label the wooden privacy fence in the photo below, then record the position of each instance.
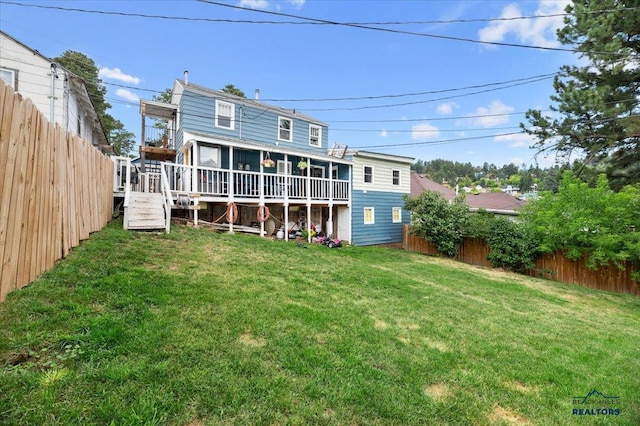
(555, 266)
(55, 189)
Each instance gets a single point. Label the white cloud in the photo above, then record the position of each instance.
(297, 3)
(130, 96)
(536, 32)
(383, 134)
(519, 140)
(494, 114)
(254, 4)
(117, 74)
(422, 132)
(446, 108)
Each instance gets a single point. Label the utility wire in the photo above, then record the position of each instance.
(244, 21)
(388, 30)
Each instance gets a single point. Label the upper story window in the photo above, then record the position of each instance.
(368, 174)
(10, 77)
(225, 113)
(396, 177)
(315, 135)
(285, 129)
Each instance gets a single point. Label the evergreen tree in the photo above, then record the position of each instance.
(597, 111)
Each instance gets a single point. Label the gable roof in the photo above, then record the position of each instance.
(419, 184)
(180, 87)
(499, 202)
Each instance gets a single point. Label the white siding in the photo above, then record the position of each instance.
(382, 175)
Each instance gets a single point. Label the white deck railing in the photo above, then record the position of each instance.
(215, 182)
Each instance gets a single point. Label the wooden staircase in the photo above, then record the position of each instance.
(145, 210)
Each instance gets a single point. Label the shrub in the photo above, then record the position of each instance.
(437, 220)
(511, 244)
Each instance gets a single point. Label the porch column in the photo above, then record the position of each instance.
(329, 224)
(142, 153)
(231, 187)
(261, 189)
(286, 198)
(309, 199)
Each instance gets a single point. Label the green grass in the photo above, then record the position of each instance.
(201, 328)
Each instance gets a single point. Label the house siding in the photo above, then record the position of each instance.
(383, 231)
(251, 123)
(382, 175)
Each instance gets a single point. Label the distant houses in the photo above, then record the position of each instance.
(501, 203)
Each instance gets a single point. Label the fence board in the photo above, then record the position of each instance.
(55, 189)
(555, 266)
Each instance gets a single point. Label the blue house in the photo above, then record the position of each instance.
(242, 165)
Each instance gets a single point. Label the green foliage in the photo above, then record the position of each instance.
(233, 90)
(435, 219)
(511, 244)
(595, 109)
(580, 219)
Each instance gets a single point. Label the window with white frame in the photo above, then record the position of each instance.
(396, 215)
(369, 216)
(396, 177)
(283, 166)
(209, 156)
(10, 77)
(285, 129)
(315, 135)
(225, 113)
(367, 174)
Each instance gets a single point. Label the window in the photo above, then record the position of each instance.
(10, 77)
(396, 215)
(209, 156)
(368, 174)
(369, 216)
(281, 167)
(225, 113)
(315, 135)
(317, 171)
(396, 177)
(285, 129)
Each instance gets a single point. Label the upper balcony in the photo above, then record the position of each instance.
(157, 141)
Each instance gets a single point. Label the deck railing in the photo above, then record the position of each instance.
(216, 182)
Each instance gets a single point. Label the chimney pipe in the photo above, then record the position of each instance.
(257, 94)
(186, 77)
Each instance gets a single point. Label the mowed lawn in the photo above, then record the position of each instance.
(198, 328)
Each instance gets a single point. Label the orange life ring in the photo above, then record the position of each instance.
(263, 213)
(232, 213)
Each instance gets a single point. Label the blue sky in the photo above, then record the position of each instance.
(427, 94)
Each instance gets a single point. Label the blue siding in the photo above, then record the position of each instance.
(251, 123)
(384, 231)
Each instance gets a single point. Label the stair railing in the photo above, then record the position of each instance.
(168, 197)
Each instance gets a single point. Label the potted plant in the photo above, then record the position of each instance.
(302, 164)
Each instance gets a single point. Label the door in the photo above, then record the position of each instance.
(342, 224)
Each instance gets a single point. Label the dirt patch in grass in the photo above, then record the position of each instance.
(435, 344)
(380, 324)
(501, 415)
(521, 387)
(250, 340)
(437, 391)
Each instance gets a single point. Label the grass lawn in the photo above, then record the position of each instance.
(201, 328)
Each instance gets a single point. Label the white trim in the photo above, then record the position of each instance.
(280, 167)
(372, 221)
(393, 214)
(13, 76)
(318, 136)
(222, 104)
(290, 120)
(364, 174)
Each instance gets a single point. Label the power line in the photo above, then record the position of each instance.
(388, 30)
(319, 22)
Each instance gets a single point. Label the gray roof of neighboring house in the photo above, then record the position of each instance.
(419, 184)
(488, 201)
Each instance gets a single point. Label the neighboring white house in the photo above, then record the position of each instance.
(58, 93)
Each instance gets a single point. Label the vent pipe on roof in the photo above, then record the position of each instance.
(186, 77)
(257, 94)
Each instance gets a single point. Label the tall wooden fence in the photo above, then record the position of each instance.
(55, 189)
(555, 266)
